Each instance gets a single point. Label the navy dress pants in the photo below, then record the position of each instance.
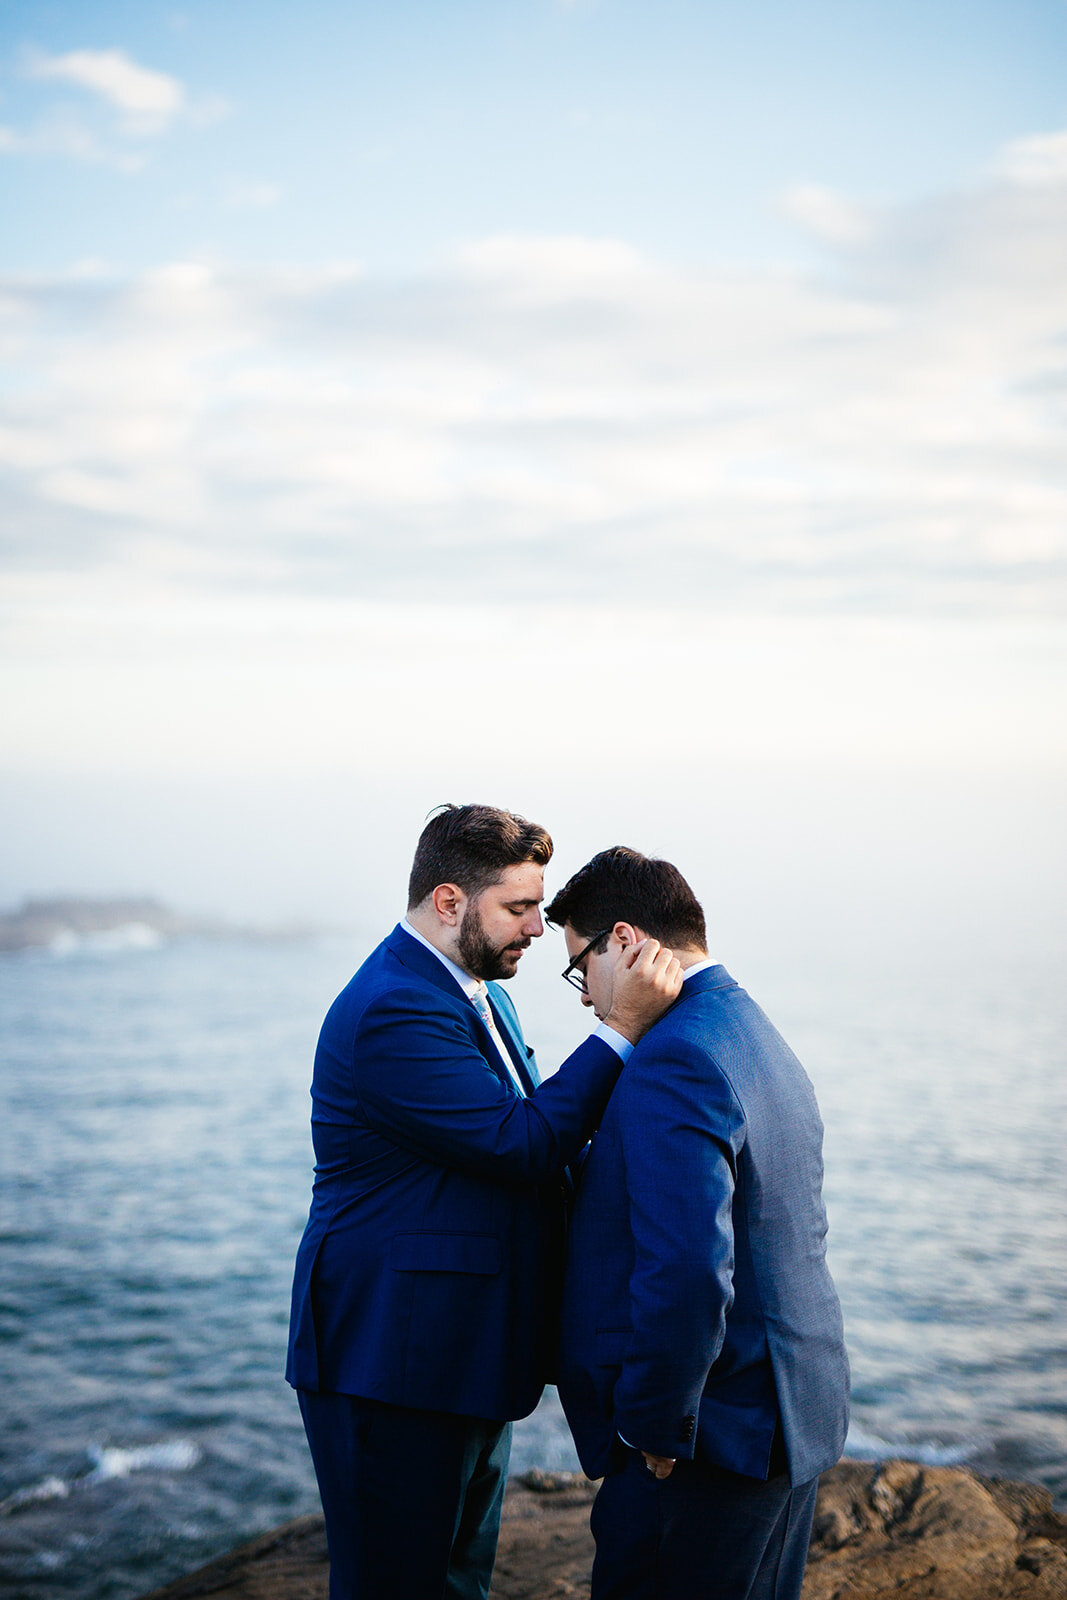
(701, 1534)
(411, 1498)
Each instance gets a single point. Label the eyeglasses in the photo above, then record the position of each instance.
(571, 974)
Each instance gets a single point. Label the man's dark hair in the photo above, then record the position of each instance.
(471, 846)
(622, 885)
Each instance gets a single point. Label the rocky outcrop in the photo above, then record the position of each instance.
(895, 1529)
(933, 1533)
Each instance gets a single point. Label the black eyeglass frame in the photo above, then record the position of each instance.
(571, 975)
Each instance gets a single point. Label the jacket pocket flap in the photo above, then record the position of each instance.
(445, 1252)
(612, 1345)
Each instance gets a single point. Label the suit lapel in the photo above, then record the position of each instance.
(425, 964)
(489, 1049)
(515, 1043)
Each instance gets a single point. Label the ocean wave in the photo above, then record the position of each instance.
(863, 1446)
(177, 1456)
(106, 941)
(35, 1494)
(110, 1462)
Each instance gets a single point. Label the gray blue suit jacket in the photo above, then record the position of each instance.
(698, 1310)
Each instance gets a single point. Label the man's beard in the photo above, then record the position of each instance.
(480, 957)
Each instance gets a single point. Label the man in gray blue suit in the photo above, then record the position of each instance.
(703, 1367)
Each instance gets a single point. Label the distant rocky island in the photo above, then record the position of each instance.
(67, 921)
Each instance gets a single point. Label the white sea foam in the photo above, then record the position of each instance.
(862, 1446)
(104, 941)
(49, 1560)
(35, 1494)
(109, 1463)
(178, 1455)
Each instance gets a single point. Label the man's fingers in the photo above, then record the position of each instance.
(647, 982)
(651, 956)
(666, 970)
(644, 952)
(656, 962)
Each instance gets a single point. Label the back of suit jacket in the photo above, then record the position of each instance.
(429, 1271)
(698, 1308)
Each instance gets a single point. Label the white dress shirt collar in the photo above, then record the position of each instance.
(699, 966)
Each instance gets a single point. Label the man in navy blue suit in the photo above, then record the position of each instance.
(702, 1365)
(426, 1292)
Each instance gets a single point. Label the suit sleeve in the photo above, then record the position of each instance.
(681, 1130)
(422, 1082)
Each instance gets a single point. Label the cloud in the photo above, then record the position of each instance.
(826, 214)
(548, 416)
(126, 107)
(1040, 159)
(63, 133)
(548, 268)
(149, 100)
(253, 196)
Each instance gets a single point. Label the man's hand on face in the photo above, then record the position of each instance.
(646, 982)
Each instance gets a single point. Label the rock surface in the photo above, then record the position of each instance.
(933, 1533)
(912, 1532)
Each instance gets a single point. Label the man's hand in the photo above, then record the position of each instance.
(646, 982)
(659, 1466)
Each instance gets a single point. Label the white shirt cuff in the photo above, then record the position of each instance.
(622, 1047)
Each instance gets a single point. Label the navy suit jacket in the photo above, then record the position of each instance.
(430, 1269)
(698, 1309)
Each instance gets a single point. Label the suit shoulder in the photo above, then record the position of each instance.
(694, 1025)
(715, 1020)
(384, 984)
(724, 1033)
(678, 1052)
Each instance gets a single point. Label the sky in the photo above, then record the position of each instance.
(649, 418)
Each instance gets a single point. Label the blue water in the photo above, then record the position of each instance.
(156, 1161)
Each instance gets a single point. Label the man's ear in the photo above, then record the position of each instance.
(627, 934)
(448, 901)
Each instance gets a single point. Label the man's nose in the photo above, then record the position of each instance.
(533, 927)
(587, 1000)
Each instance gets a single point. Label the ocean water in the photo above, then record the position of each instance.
(155, 1179)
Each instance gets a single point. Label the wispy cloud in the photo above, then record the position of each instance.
(61, 132)
(152, 99)
(1039, 159)
(123, 108)
(545, 414)
(253, 196)
(828, 215)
